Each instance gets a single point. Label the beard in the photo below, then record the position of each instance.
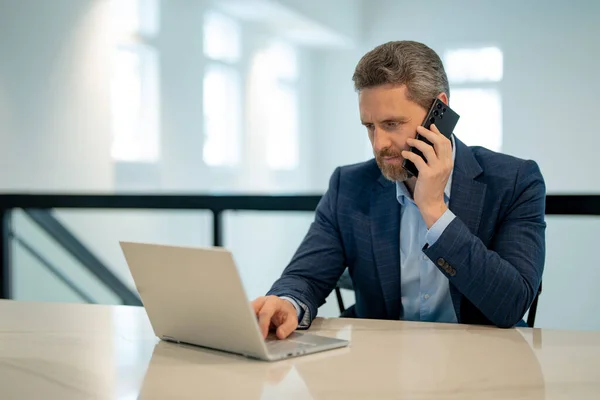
(392, 172)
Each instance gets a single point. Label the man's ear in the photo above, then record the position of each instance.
(443, 97)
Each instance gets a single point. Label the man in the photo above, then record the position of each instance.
(463, 243)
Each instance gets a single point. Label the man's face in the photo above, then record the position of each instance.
(390, 119)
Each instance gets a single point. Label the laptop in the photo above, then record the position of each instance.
(196, 296)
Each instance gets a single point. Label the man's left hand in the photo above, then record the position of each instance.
(433, 174)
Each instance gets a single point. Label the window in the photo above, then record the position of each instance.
(474, 65)
(274, 77)
(134, 17)
(134, 82)
(222, 116)
(222, 96)
(474, 75)
(222, 38)
(480, 111)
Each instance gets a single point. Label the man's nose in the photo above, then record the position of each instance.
(381, 140)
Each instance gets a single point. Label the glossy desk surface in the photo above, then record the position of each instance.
(71, 351)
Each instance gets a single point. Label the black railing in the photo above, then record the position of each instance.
(5, 256)
(555, 205)
(58, 232)
(56, 272)
(37, 205)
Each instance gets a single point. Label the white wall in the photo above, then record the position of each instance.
(342, 16)
(339, 137)
(181, 63)
(54, 120)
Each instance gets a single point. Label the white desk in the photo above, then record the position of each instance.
(70, 351)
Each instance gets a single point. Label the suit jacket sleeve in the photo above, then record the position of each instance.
(319, 261)
(502, 280)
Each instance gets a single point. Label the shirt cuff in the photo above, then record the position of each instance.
(302, 312)
(436, 230)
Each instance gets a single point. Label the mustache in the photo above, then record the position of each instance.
(389, 153)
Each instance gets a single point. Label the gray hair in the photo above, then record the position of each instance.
(404, 63)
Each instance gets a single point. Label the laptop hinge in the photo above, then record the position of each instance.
(170, 339)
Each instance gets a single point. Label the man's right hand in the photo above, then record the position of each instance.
(277, 314)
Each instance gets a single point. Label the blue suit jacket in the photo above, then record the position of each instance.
(492, 254)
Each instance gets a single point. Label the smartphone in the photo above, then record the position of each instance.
(444, 118)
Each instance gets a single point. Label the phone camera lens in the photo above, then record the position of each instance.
(436, 112)
(444, 110)
(441, 115)
(439, 106)
(432, 120)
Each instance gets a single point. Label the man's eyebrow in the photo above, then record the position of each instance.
(388, 119)
(398, 118)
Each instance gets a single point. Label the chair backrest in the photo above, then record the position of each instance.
(533, 308)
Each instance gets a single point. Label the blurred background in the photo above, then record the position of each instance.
(255, 97)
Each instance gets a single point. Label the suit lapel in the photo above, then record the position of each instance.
(385, 236)
(467, 198)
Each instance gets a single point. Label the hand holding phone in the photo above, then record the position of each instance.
(444, 118)
(430, 159)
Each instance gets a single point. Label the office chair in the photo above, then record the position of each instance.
(345, 282)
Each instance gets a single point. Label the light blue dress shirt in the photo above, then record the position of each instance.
(425, 290)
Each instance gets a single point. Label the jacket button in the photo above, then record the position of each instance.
(441, 262)
(452, 272)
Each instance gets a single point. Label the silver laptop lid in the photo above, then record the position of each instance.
(195, 295)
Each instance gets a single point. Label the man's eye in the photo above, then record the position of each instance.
(391, 125)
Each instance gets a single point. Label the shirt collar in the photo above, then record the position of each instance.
(402, 192)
